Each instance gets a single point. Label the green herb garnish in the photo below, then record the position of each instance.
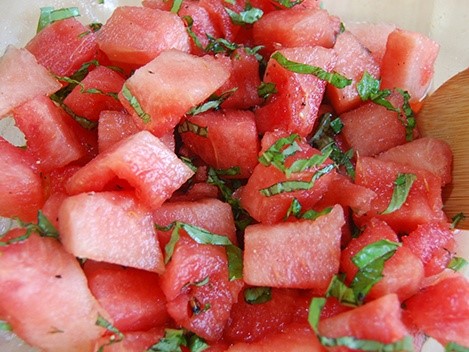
(250, 15)
(457, 263)
(455, 220)
(402, 186)
(257, 295)
(266, 89)
(49, 15)
(173, 340)
(334, 78)
(213, 102)
(176, 6)
(116, 336)
(187, 126)
(455, 347)
(135, 104)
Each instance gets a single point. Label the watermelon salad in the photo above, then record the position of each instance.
(214, 175)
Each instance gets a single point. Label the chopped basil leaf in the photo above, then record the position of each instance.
(200, 283)
(188, 163)
(116, 336)
(370, 263)
(324, 139)
(402, 186)
(242, 218)
(171, 342)
(277, 153)
(5, 326)
(409, 121)
(197, 344)
(95, 26)
(43, 228)
(257, 295)
(188, 20)
(287, 3)
(176, 6)
(213, 102)
(220, 45)
(231, 2)
(254, 51)
(312, 214)
(454, 347)
(86, 90)
(202, 236)
(266, 89)
(334, 78)
(127, 94)
(82, 121)
(342, 27)
(295, 185)
(49, 15)
(315, 308)
(100, 2)
(294, 209)
(457, 219)
(232, 171)
(187, 126)
(457, 263)
(304, 164)
(250, 15)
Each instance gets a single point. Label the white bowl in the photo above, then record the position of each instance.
(446, 21)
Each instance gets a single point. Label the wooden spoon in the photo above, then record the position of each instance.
(445, 115)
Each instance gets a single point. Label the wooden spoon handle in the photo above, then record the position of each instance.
(445, 115)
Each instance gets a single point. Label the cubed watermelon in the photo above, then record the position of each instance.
(63, 46)
(236, 126)
(136, 35)
(50, 139)
(188, 81)
(22, 79)
(143, 161)
(111, 227)
(310, 261)
(294, 108)
(49, 288)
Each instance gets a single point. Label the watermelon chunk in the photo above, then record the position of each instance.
(427, 153)
(143, 161)
(294, 108)
(49, 288)
(408, 63)
(188, 81)
(49, 136)
(63, 46)
(442, 310)
(353, 60)
(310, 261)
(371, 129)
(236, 126)
(422, 205)
(22, 79)
(136, 35)
(89, 105)
(382, 317)
(286, 29)
(111, 227)
(132, 297)
(21, 192)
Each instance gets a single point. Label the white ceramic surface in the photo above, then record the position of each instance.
(446, 21)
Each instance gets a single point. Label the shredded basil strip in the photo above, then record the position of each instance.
(116, 336)
(219, 45)
(455, 220)
(5, 326)
(324, 138)
(175, 338)
(176, 6)
(171, 342)
(266, 89)
(304, 164)
(82, 121)
(187, 126)
(86, 90)
(334, 78)
(241, 216)
(455, 347)
(43, 228)
(370, 262)
(402, 186)
(250, 15)
(146, 118)
(213, 102)
(295, 185)
(189, 21)
(278, 152)
(49, 15)
(202, 236)
(315, 308)
(257, 295)
(457, 263)
(287, 3)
